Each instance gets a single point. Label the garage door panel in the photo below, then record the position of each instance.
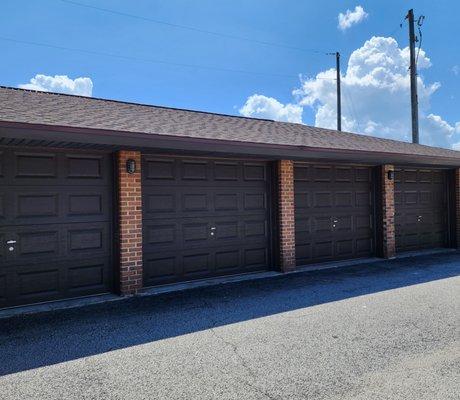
(45, 242)
(364, 246)
(344, 199)
(364, 224)
(186, 202)
(322, 199)
(173, 267)
(421, 217)
(2, 205)
(228, 261)
(425, 176)
(196, 264)
(226, 171)
(3, 293)
(166, 234)
(302, 199)
(88, 167)
(302, 226)
(36, 205)
(38, 244)
(159, 202)
(48, 281)
(226, 230)
(344, 248)
(2, 165)
(226, 201)
(411, 197)
(89, 238)
(322, 173)
(253, 172)
(162, 269)
(303, 252)
(216, 225)
(323, 250)
(159, 171)
(58, 211)
(255, 258)
(90, 276)
(344, 174)
(39, 283)
(363, 199)
(59, 204)
(302, 173)
(344, 224)
(255, 229)
(57, 168)
(322, 225)
(194, 170)
(35, 165)
(341, 216)
(255, 202)
(363, 174)
(194, 202)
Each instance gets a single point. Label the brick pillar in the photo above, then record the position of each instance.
(388, 212)
(130, 223)
(457, 208)
(286, 215)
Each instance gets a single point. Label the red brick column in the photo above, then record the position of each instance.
(457, 207)
(130, 223)
(388, 212)
(286, 215)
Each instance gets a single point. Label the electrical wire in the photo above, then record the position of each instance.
(190, 28)
(419, 44)
(139, 59)
(352, 108)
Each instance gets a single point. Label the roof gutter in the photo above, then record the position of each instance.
(169, 143)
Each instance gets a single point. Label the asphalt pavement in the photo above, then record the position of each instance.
(387, 330)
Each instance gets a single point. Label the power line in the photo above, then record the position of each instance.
(190, 28)
(352, 108)
(139, 59)
(419, 27)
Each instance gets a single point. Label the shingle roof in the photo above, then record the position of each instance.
(26, 106)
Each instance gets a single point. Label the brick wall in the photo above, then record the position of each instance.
(130, 223)
(387, 212)
(286, 215)
(457, 208)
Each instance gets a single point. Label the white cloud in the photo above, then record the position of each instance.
(82, 86)
(376, 96)
(260, 106)
(351, 18)
(456, 70)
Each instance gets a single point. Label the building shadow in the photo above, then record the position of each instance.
(33, 341)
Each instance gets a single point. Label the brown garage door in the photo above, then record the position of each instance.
(204, 218)
(421, 209)
(55, 225)
(334, 212)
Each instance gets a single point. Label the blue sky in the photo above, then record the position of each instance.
(302, 24)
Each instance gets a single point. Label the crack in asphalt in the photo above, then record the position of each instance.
(240, 358)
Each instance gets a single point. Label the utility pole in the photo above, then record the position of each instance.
(339, 95)
(413, 77)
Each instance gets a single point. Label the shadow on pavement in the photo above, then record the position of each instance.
(45, 339)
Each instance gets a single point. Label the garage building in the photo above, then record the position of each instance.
(100, 196)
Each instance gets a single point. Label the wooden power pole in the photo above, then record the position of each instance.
(339, 95)
(413, 76)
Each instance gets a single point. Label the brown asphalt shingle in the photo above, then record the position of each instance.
(18, 105)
